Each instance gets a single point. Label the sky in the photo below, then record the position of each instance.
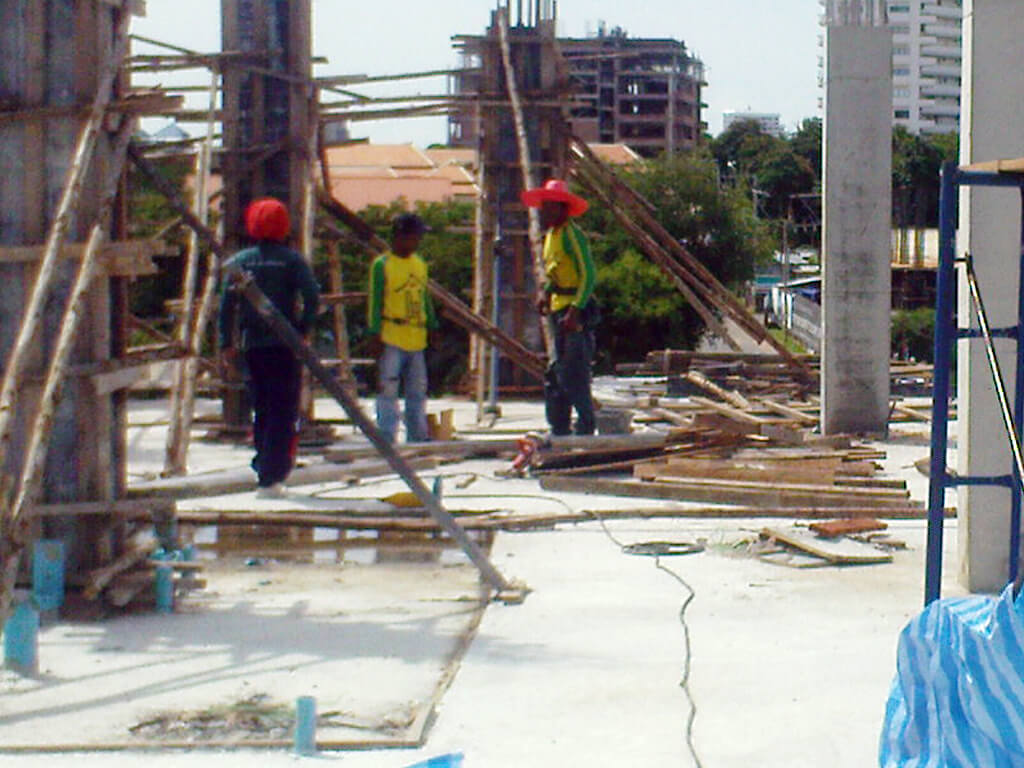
(760, 55)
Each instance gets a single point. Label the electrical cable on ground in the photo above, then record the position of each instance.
(657, 550)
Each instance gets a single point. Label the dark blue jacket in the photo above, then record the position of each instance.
(285, 277)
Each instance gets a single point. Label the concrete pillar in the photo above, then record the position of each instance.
(992, 127)
(857, 194)
(53, 52)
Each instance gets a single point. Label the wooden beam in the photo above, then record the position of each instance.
(729, 492)
(123, 258)
(526, 166)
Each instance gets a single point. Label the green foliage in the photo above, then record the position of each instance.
(715, 223)
(913, 334)
(807, 143)
(149, 214)
(916, 163)
(772, 168)
(449, 256)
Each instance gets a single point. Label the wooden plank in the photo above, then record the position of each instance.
(242, 480)
(722, 492)
(733, 398)
(731, 411)
(418, 520)
(845, 552)
(836, 528)
(910, 413)
(99, 578)
(788, 411)
(123, 258)
(141, 507)
(820, 471)
(106, 383)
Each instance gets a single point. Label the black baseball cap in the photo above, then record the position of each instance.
(408, 224)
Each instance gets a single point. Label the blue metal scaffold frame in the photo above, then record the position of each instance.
(947, 333)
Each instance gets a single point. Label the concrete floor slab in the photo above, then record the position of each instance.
(788, 667)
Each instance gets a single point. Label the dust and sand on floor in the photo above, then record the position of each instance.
(374, 641)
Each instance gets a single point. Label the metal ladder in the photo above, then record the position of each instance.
(947, 333)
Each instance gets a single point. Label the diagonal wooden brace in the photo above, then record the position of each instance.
(246, 286)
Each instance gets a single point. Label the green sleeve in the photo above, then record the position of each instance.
(375, 296)
(575, 244)
(428, 307)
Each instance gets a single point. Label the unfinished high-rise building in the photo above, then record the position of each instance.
(642, 92)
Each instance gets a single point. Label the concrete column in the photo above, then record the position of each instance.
(857, 194)
(992, 127)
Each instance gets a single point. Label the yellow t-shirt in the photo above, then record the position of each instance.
(399, 306)
(568, 266)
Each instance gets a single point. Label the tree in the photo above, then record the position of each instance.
(150, 214)
(449, 256)
(772, 168)
(806, 142)
(916, 163)
(715, 223)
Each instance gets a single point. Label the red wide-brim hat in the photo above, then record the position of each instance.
(558, 191)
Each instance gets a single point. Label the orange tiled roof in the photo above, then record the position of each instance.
(361, 154)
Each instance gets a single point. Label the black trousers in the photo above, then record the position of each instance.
(567, 380)
(274, 381)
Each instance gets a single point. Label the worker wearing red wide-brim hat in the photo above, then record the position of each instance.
(274, 371)
(567, 299)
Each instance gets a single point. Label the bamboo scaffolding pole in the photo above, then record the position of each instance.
(513, 349)
(383, 114)
(82, 159)
(182, 395)
(15, 527)
(341, 340)
(684, 262)
(536, 240)
(480, 277)
(360, 79)
(283, 329)
(658, 255)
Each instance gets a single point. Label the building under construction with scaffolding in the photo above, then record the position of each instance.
(67, 121)
(641, 92)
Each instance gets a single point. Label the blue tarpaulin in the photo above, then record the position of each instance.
(958, 697)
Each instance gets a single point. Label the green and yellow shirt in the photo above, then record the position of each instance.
(569, 267)
(399, 306)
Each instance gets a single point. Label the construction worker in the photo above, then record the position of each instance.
(399, 315)
(567, 301)
(274, 371)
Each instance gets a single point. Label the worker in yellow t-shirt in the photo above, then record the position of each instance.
(567, 297)
(399, 313)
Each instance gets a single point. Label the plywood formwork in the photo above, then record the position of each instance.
(54, 57)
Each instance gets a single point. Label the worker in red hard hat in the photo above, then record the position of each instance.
(274, 371)
(567, 300)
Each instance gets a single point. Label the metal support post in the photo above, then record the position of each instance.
(945, 337)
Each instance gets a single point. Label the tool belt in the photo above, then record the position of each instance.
(563, 291)
(403, 321)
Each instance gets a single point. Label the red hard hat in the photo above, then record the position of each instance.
(267, 219)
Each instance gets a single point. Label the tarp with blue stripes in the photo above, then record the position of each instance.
(958, 697)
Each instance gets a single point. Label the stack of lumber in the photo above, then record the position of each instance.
(131, 578)
(733, 448)
(808, 481)
(756, 373)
